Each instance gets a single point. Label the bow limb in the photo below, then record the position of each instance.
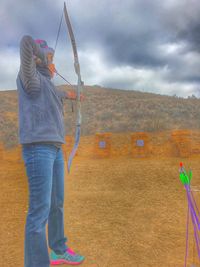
(79, 87)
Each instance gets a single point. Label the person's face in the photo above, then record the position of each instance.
(49, 65)
(38, 61)
(50, 58)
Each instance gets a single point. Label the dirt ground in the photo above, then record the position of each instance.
(118, 212)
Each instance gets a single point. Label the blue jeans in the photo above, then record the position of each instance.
(45, 171)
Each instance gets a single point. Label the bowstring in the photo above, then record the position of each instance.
(58, 33)
(56, 43)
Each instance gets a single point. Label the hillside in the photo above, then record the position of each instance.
(111, 110)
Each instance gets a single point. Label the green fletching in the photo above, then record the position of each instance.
(190, 174)
(184, 178)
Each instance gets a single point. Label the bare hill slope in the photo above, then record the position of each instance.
(111, 110)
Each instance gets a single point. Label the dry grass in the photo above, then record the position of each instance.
(119, 212)
(111, 110)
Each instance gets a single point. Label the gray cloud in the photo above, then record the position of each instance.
(143, 44)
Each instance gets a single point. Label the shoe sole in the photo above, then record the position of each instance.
(59, 262)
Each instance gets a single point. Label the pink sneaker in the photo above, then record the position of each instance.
(69, 257)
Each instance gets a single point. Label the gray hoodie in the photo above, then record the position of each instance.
(40, 109)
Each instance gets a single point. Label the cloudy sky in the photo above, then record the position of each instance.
(146, 45)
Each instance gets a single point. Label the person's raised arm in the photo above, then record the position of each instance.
(28, 74)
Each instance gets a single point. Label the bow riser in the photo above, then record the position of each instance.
(79, 87)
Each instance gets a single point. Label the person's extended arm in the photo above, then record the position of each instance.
(61, 93)
(28, 73)
(69, 95)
